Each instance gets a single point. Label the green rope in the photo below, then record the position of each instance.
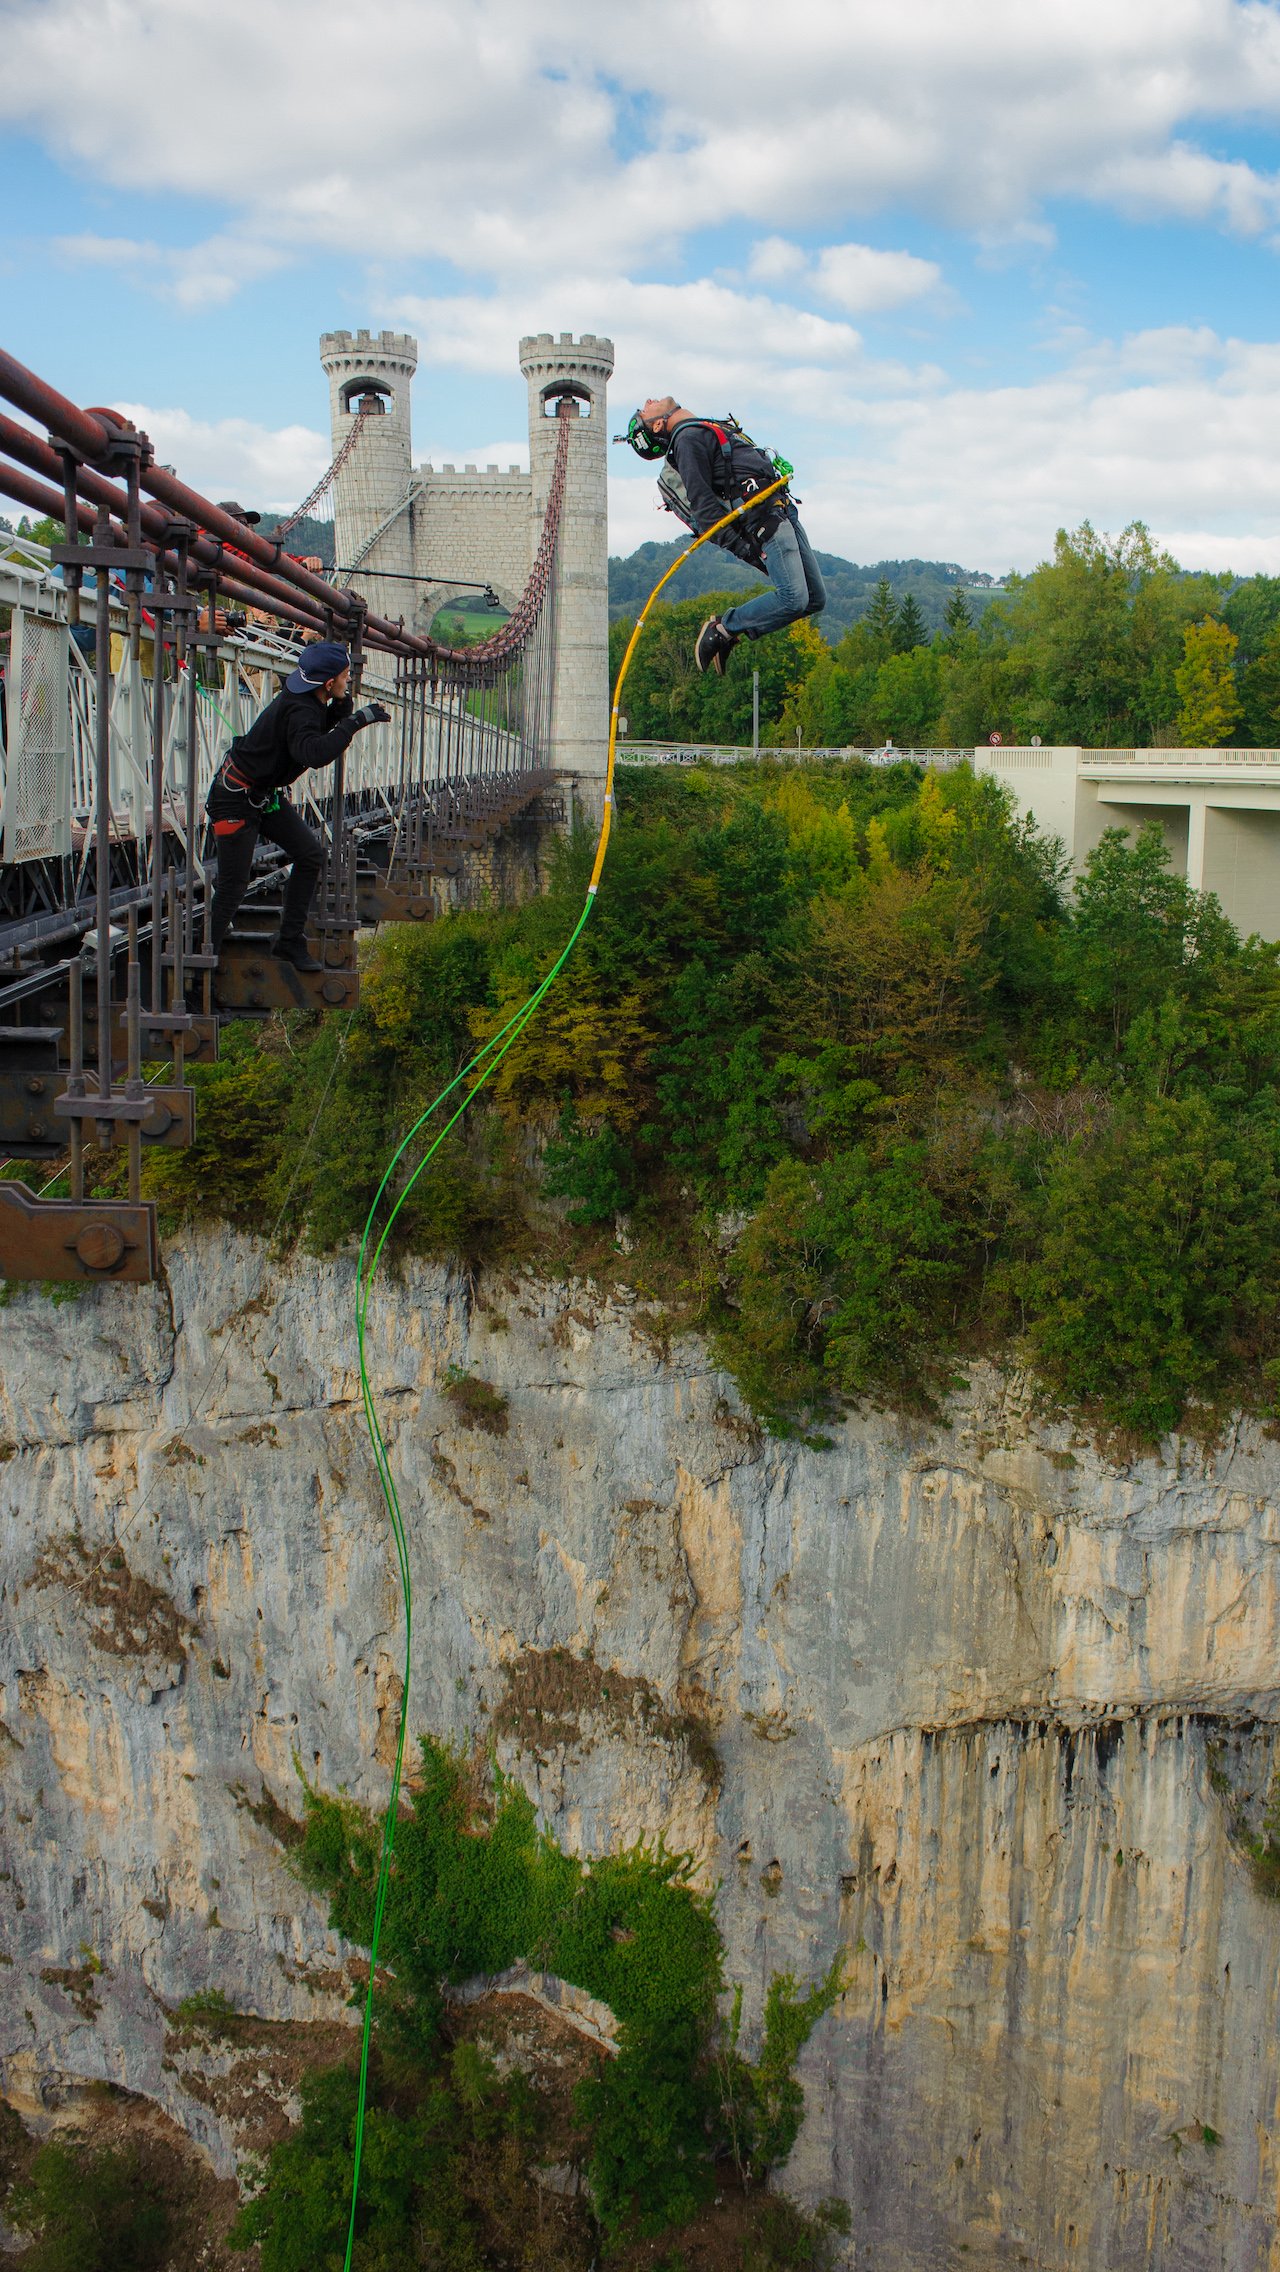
(483, 1064)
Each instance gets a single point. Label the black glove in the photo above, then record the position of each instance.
(373, 714)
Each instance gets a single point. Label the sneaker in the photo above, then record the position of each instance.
(713, 646)
(297, 952)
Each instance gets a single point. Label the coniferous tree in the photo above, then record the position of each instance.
(959, 615)
(909, 630)
(881, 620)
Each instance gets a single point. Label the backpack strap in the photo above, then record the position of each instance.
(726, 456)
(713, 426)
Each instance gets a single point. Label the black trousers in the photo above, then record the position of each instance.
(237, 825)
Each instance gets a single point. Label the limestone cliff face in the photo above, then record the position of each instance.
(963, 1701)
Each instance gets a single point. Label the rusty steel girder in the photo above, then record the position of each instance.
(31, 1127)
(407, 900)
(251, 979)
(200, 1037)
(70, 1239)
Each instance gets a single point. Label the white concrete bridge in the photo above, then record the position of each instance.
(1219, 810)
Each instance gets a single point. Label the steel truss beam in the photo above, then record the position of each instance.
(132, 675)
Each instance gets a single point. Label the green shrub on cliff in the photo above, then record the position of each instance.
(241, 1108)
(475, 1888)
(89, 2211)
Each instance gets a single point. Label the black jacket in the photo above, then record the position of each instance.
(699, 462)
(294, 733)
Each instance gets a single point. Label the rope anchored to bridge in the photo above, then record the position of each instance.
(470, 1080)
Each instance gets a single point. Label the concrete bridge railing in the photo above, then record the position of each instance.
(1218, 810)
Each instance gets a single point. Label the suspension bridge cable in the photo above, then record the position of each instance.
(482, 1066)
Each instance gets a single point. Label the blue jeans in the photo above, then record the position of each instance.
(797, 583)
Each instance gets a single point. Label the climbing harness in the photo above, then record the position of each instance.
(743, 471)
(474, 1075)
(230, 777)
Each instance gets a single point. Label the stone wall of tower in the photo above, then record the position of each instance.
(579, 370)
(474, 524)
(376, 477)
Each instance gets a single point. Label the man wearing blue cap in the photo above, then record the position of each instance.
(309, 724)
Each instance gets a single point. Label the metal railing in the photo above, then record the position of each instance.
(642, 751)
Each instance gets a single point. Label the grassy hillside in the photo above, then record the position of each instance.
(310, 539)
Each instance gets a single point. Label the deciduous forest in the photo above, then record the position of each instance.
(1108, 644)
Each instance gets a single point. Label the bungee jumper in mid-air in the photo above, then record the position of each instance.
(710, 464)
(309, 724)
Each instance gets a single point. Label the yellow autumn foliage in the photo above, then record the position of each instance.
(823, 843)
(895, 967)
(577, 1046)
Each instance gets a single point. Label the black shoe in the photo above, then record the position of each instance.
(713, 646)
(297, 952)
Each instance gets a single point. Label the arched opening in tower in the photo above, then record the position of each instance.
(566, 391)
(369, 395)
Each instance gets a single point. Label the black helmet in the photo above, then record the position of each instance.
(643, 440)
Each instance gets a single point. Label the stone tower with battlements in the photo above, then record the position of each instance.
(579, 370)
(448, 526)
(373, 371)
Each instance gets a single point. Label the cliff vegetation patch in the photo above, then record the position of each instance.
(477, 1403)
(118, 2189)
(674, 2113)
(131, 1616)
(549, 1693)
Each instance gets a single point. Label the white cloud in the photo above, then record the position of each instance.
(864, 281)
(193, 276)
(270, 468)
(857, 278)
(705, 341)
(774, 259)
(986, 476)
(501, 118)
(704, 317)
(1186, 184)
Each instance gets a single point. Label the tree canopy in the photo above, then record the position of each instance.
(1107, 644)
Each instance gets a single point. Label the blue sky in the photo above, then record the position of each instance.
(978, 272)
